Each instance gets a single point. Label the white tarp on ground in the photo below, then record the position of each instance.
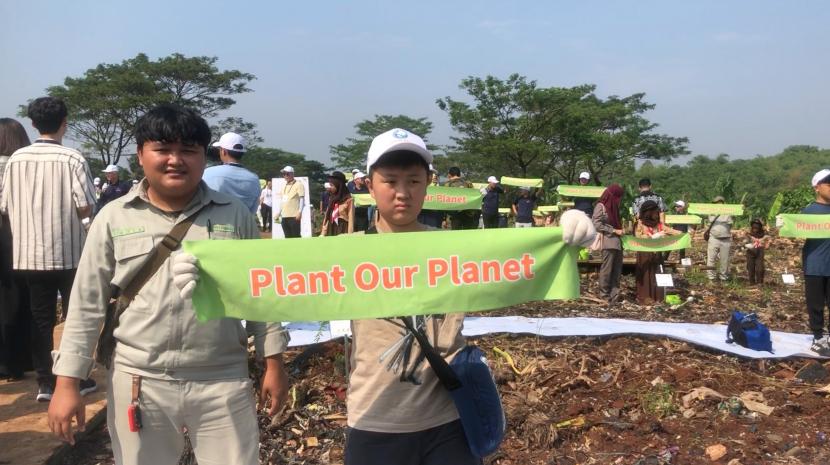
(707, 335)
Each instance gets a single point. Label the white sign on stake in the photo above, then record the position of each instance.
(340, 328)
(664, 280)
(788, 278)
(686, 261)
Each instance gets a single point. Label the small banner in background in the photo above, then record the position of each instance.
(683, 219)
(734, 209)
(438, 198)
(663, 244)
(594, 192)
(805, 226)
(521, 182)
(381, 275)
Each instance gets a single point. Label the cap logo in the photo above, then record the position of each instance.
(400, 134)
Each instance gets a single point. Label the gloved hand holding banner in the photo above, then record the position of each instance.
(663, 244)
(382, 275)
(805, 226)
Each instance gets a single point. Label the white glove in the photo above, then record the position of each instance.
(750, 245)
(657, 235)
(577, 228)
(185, 273)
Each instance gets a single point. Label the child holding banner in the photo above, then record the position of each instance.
(648, 263)
(816, 262)
(398, 411)
(758, 241)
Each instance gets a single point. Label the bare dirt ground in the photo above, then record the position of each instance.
(615, 400)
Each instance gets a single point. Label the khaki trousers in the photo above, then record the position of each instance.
(718, 251)
(220, 417)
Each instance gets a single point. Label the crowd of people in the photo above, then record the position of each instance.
(60, 235)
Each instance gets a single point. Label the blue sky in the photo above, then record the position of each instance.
(739, 77)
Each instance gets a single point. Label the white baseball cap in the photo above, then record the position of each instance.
(396, 139)
(287, 169)
(680, 203)
(355, 171)
(111, 169)
(493, 179)
(231, 141)
(432, 168)
(821, 176)
(359, 174)
(584, 175)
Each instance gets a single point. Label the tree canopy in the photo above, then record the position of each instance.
(106, 101)
(353, 153)
(517, 128)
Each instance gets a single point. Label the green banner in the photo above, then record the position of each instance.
(505, 210)
(438, 198)
(480, 185)
(521, 182)
(683, 219)
(548, 208)
(381, 275)
(805, 226)
(593, 192)
(663, 244)
(734, 209)
(566, 204)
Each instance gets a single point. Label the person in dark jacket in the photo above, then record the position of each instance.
(490, 203)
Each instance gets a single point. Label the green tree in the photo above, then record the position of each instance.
(106, 101)
(244, 128)
(353, 153)
(514, 127)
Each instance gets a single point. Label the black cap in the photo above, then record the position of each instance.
(338, 175)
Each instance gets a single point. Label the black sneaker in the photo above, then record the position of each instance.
(44, 392)
(821, 346)
(88, 386)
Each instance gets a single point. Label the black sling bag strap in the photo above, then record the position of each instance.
(170, 242)
(709, 230)
(436, 361)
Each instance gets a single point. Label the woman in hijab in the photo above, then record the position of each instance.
(648, 263)
(606, 218)
(339, 215)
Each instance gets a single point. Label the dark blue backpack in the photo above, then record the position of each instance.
(747, 331)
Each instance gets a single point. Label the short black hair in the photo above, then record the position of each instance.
(400, 159)
(172, 123)
(235, 154)
(47, 114)
(455, 171)
(645, 182)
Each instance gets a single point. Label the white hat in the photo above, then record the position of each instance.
(111, 169)
(820, 176)
(359, 174)
(493, 179)
(432, 168)
(396, 139)
(355, 171)
(327, 185)
(584, 175)
(680, 203)
(135, 181)
(231, 141)
(96, 181)
(287, 169)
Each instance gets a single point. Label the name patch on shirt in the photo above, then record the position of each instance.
(118, 232)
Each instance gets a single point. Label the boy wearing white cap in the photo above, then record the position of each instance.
(816, 263)
(402, 413)
(492, 193)
(584, 204)
(231, 177)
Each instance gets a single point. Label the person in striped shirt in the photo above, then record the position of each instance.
(48, 196)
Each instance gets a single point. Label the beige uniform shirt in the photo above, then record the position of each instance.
(291, 195)
(377, 399)
(721, 226)
(158, 335)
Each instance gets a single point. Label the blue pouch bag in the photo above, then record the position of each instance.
(747, 331)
